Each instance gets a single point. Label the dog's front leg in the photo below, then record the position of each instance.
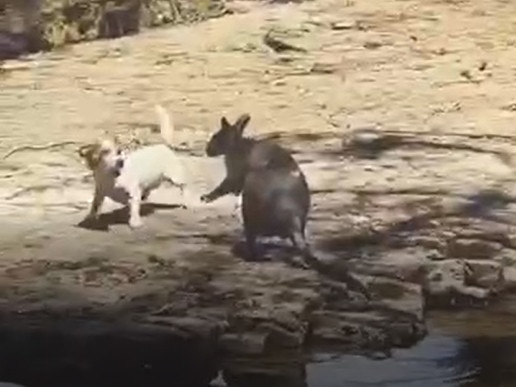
(98, 199)
(135, 219)
(227, 186)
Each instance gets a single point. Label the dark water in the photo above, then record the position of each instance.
(463, 349)
(466, 349)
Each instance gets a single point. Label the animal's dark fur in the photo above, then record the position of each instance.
(275, 202)
(275, 194)
(91, 153)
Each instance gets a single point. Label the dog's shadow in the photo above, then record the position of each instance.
(121, 216)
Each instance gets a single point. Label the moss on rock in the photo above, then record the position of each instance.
(33, 25)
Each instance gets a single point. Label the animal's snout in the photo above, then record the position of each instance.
(211, 150)
(216, 146)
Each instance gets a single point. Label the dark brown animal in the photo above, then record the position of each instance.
(275, 194)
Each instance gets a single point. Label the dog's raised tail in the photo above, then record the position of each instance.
(165, 124)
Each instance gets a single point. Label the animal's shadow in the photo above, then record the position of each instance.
(267, 249)
(121, 216)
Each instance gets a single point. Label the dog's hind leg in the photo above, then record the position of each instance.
(175, 177)
(182, 192)
(145, 195)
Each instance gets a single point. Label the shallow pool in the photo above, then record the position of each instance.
(470, 348)
(475, 348)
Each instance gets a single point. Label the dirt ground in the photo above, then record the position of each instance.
(441, 72)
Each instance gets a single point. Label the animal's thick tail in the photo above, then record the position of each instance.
(330, 268)
(166, 125)
(336, 272)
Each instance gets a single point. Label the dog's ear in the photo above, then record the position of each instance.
(241, 123)
(90, 153)
(224, 123)
(84, 150)
(117, 140)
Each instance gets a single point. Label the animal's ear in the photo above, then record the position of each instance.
(224, 122)
(241, 123)
(117, 141)
(85, 150)
(90, 154)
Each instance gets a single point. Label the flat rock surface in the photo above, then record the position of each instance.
(430, 214)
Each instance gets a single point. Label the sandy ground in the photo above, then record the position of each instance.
(441, 69)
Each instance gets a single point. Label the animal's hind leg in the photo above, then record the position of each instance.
(298, 240)
(145, 195)
(300, 244)
(298, 237)
(250, 240)
(175, 178)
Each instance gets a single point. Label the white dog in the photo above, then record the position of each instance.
(128, 179)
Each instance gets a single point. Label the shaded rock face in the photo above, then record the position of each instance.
(102, 354)
(19, 28)
(34, 25)
(13, 45)
(255, 323)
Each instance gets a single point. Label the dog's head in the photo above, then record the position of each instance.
(227, 136)
(103, 155)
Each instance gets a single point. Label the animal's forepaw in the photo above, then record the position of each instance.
(135, 223)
